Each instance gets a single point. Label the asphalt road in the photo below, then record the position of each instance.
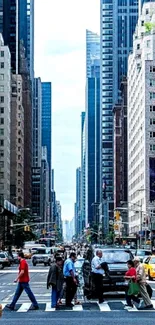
(112, 311)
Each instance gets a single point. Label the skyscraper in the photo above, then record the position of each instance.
(78, 202)
(47, 122)
(5, 117)
(118, 21)
(83, 171)
(37, 114)
(141, 121)
(92, 126)
(92, 50)
(26, 31)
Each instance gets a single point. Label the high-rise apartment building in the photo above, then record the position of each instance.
(47, 122)
(45, 199)
(92, 50)
(17, 142)
(5, 95)
(141, 121)
(118, 20)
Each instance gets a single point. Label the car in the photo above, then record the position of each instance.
(15, 258)
(149, 265)
(4, 259)
(116, 259)
(41, 256)
(27, 253)
(142, 253)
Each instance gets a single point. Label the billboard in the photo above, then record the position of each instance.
(152, 179)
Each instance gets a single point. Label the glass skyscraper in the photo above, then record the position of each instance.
(47, 121)
(92, 50)
(118, 21)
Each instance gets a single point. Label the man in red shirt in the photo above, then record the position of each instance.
(131, 274)
(23, 284)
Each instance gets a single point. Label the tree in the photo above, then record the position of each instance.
(19, 235)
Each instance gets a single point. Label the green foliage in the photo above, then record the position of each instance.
(149, 26)
(19, 235)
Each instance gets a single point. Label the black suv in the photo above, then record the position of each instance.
(116, 259)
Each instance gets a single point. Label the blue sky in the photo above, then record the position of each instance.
(60, 28)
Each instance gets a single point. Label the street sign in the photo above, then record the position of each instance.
(111, 222)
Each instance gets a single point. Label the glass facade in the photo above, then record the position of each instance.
(47, 121)
(92, 50)
(118, 22)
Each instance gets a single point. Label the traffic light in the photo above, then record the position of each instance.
(117, 215)
(27, 228)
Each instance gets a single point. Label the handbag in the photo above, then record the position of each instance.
(133, 288)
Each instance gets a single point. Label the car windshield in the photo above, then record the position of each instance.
(116, 256)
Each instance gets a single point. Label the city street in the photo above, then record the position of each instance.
(112, 310)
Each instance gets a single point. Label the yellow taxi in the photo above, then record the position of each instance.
(149, 265)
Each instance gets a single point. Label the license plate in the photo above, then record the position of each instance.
(120, 283)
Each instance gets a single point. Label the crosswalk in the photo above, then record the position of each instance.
(107, 306)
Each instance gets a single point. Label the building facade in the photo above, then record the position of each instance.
(45, 199)
(83, 171)
(118, 20)
(78, 219)
(92, 146)
(92, 50)
(37, 131)
(5, 117)
(17, 143)
(47, 122)
(141, 121)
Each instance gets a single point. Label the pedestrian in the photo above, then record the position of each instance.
(97, 275)
(131, 275)
(23, 284)
(141, 278)
(55, 280)
(70, 278)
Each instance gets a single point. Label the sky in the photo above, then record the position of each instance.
(60, 57)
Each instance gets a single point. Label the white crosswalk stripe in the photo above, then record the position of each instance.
(107, 306)
(24, 307)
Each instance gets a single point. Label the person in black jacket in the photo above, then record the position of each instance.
(55, 280)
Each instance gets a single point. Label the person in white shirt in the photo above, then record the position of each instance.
(97, 274)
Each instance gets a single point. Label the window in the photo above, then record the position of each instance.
(1, 99)
(1, 153)
(152, 134)
(2, 65)
(2, 54)
(152, 95)
(152, 82)
(152, 68)
(138, 46)
(152, 147)
(1, 120)
(1, 164)
(1, 76)
(148, 43)
(1, 89)
(1, 175)
(2, 110)
(1, 131)
(1, 143)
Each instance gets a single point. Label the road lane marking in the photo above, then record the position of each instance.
(30, 270)
(24, 307)
(77, 308)
(104, 306)
(48, 307)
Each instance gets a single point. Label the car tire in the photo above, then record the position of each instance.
(34, 264)
(45, 264)
(1, 266)
(150, 277)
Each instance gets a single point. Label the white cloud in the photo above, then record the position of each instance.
(60, 28)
